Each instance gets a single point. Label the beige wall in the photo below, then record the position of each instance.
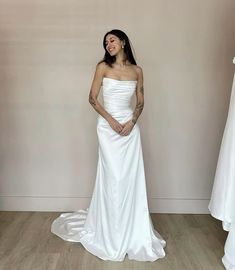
(48, 52)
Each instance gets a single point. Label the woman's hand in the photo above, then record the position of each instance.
(115, 125)
(127, 128)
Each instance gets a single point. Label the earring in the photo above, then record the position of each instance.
(122, 46)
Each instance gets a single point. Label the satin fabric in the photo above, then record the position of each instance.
(117, 222)
(222, 203)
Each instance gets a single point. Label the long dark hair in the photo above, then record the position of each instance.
(108, 59)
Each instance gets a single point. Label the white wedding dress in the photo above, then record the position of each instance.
(117, 221)
(222, 202)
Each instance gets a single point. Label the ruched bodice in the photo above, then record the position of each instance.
(117, 94)
(117, 97)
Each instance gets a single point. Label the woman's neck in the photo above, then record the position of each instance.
(121, 60)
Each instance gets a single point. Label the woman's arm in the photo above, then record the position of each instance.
(139, 96)
(93, 95)
(94, 92)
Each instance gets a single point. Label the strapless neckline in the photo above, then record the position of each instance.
(119, 80)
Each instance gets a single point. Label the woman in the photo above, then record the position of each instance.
(118, 221)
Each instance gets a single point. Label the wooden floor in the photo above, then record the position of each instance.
(194, 242)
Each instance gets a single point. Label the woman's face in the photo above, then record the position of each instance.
(113, 44)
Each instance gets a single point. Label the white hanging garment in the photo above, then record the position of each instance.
(222, 203)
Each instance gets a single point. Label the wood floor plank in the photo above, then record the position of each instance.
(194, 242)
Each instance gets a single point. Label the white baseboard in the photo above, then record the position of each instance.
(179, 206)
(61, 204)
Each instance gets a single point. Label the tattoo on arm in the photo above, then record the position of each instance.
(92, 100)
(142, 90)
(138, 110)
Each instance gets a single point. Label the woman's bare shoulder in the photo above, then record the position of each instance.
(138, 69)
(101, 66)
(101, 69)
